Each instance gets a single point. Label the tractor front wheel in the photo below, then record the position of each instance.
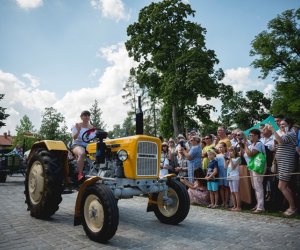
(176, 208)
(99, 213)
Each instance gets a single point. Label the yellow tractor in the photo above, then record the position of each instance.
(115, 169)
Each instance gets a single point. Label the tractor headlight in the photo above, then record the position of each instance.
(122, 155)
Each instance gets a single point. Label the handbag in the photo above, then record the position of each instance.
(257, 163)
(274, 167)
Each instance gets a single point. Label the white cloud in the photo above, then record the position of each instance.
(112, 9)
(21, 99)
(108, 91)
(29, 4)
(26, 98)
(34, 81)
(240, 79)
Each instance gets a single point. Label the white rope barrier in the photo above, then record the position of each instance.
(246, 176)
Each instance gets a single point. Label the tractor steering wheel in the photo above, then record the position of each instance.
(89, 135)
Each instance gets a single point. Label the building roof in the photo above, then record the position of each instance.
(6, 140)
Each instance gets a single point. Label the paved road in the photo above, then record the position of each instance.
(203, 228)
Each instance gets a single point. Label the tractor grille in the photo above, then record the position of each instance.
(147, 158)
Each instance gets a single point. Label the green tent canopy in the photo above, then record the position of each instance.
(270, 120)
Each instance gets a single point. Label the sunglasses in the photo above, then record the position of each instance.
(206, 138)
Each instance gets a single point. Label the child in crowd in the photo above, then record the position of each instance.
(221, 158)
(212, 183)
(233, 177)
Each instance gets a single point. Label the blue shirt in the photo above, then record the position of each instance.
(210, 169)
(196, 155)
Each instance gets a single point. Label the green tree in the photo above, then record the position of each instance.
(53, 126)
(149, 104)
(116, 132)
(25, 133)
(277, 52)
(173, 61)
(96, 116)
(243, 111)
(3, 116)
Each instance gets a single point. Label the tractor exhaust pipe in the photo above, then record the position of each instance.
(139, 120)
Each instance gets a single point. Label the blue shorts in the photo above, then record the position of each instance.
(212, 186)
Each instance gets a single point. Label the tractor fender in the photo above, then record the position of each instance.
(58, 146)
(87, 183)
(49, 145)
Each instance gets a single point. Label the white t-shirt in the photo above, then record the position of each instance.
(233, 174)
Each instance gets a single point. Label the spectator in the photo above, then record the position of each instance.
(164, 161)
(209, 145)
(285, 157)
(181, 141)
(251, 150)
(194, 157)
(234, 140)
(182, 168)
(233, 175)
(197, 191)
(212, 183)
(222, 137)
(278, 119)
(221, 158)
(172, 155)
(18, 150)
(268, 140)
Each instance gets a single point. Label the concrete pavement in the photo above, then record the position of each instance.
(203, 228)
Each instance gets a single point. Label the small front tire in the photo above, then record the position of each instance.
(99, 213)
(178, 205)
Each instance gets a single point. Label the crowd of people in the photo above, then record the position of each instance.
(218, 169)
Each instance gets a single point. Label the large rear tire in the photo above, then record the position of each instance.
(177, 207)
(43, 183)
(99, 213)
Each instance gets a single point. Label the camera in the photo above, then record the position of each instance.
(182, 144)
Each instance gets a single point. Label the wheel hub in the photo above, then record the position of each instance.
(169, 207)
(36, 182)
(93, 213)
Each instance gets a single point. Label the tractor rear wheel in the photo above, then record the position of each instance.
(43, 184)
(176, 208)
(99, 213)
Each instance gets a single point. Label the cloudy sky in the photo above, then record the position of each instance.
(65, 54)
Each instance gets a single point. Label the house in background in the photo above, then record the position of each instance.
(6, 142)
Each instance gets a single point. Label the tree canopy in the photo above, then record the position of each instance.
(25, 134)
(53, 126)
(96, 116)
(173, 61)
(3, 116)
(277, 52)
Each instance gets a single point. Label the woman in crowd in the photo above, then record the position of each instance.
(172, 155)
(285, 157)
(197, 191)
(249, 151)
(164, 160)
(182, 167)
